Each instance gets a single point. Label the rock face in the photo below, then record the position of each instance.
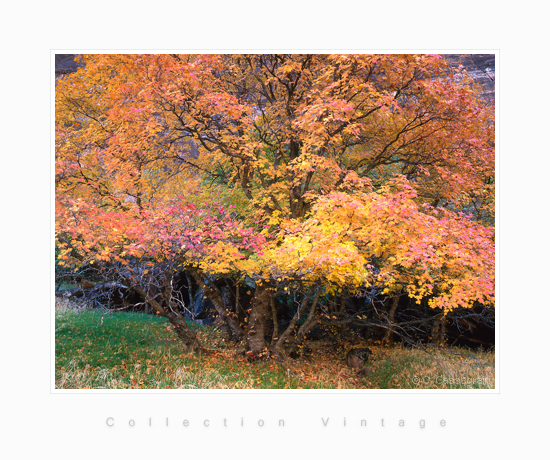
(481, 67)
(65, 63)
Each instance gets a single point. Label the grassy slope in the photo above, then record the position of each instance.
(133, 350)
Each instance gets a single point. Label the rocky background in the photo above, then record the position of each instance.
(481, 66)
(65, 63)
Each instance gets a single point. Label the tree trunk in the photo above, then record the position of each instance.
(185, 333)
(216, 298)
(310, 321)
(260, 319)
(343, 298)
(275, 335)
(439, 331)
(391, 318)
(286, 335)
(190, 295)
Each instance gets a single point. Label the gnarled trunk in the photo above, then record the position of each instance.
(185, 333)
(439, 335)
(286, 337)
(216, 297)
(391, 318)
(260, 320)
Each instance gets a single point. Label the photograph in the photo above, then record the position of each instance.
(286, 221)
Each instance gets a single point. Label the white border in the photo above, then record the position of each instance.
(512, 423)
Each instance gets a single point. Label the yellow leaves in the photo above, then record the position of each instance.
(315, 253)
(288, 166)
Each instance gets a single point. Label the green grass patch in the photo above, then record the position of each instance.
(124, 350)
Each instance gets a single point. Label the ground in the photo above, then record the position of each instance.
(122, 350)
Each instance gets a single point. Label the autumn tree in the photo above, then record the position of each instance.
(292, 175)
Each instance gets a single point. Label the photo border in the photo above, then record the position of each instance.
(54, 390)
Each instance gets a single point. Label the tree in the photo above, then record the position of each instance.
(315, 174)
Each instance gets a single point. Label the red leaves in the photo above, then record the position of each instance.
(281, 166)
(207, 236)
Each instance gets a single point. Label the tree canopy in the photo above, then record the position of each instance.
(302, 175)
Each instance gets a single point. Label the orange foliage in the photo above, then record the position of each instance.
(341, 170)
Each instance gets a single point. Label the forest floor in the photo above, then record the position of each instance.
(124, 350)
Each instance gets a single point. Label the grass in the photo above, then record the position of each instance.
(124, 350)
